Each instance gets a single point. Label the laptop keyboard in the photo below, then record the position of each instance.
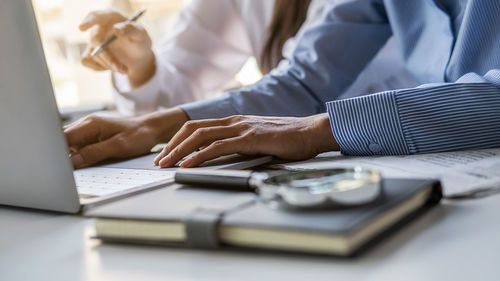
(97, 181)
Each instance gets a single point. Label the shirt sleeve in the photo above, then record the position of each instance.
(140, 100)
(207, 47)
(325, 62)
(430, 118)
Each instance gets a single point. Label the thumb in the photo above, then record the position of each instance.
(130, 30)
(95, 153)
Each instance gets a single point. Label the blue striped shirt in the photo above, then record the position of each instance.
(452, 47)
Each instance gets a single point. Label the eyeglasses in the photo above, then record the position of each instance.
(318, 188)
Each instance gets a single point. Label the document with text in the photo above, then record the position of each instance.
(463, 174)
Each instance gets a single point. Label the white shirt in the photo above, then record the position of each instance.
(209, 43)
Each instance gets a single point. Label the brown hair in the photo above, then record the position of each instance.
(288, 17)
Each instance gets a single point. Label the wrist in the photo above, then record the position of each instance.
(164, 124)
(323, 136)
(142, 73)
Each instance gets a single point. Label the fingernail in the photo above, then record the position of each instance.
(157, 160)
(185, 163)
(77, 160)
(114, 68)
(164, 161)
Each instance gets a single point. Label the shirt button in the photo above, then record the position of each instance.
(374, 147)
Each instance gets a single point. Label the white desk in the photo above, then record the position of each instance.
(455, 241)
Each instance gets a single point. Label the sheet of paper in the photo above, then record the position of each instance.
(461, 173)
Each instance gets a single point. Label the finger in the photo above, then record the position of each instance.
(84, 132)
(95, 60)
(201, 137)
(89, 61)
(161, 155)
(66, 127)
(111, 61)
(131, 31)
(97, 152)
(93, 64)
(102, 61)
(100, 18)
(185, 131)
(72, 150)
(189, 127)
(217, 149)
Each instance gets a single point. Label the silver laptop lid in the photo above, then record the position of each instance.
(35, 170)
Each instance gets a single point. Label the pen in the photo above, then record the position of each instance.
(112, 38)
(220, 179)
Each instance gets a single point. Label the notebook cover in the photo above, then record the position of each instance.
(176, 204)
(338, 221)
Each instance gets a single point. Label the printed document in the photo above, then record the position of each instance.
(463, 174)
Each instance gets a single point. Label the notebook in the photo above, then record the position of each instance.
(186, 216)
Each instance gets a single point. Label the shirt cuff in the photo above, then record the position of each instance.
(140, 100)
(368, 125)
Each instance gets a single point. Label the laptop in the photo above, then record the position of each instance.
(35, 169)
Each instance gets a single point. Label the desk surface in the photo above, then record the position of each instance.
(455, 241)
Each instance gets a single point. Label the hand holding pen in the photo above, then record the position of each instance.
(119, 44)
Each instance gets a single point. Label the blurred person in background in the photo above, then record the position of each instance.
(210, 42)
